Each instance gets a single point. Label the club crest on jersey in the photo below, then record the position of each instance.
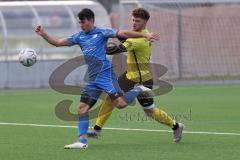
(94, 36)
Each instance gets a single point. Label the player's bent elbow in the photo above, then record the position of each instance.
(122, 34)
(56, 45)
(61, 42)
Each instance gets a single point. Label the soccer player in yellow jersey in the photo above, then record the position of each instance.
(138, 72)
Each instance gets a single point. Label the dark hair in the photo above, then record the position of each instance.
(141, 13)
(86, 13)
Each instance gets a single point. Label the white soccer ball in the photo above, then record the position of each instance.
(27, 57)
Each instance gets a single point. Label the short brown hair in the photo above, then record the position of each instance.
(141, 13)
(86, 13)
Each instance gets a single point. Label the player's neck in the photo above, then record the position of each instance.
(139, 30)
(90, 29)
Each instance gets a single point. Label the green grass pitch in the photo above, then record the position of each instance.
(208, 109)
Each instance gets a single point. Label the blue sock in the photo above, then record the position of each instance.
(83, 123)
(131, 95)
(82, 140)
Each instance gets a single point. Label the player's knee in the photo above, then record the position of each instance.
(146, 102)
(121, 106)
(82, 108)
(120, 103)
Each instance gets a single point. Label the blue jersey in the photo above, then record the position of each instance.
(93, 46)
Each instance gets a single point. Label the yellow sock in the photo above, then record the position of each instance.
(104, 112)
(162, 117)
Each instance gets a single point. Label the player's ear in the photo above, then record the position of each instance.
(145, 22)
(92, 21)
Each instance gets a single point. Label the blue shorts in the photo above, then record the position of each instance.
(106, 82)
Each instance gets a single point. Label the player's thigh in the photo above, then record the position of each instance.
(124, 83)
(111, 85)
(90, 95)
(83, 108)
(116, 93)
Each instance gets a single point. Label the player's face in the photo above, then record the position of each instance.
(138, 23)
(86, 25)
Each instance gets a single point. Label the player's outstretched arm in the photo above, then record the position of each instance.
(133, 34)
(112, 49)
(50, 39)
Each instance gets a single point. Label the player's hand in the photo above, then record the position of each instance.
(152, 37)
(39, 30)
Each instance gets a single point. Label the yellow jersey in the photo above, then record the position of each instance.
(138, 58)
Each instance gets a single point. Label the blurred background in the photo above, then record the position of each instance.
(199, 41)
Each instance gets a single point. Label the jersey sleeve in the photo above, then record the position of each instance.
(73, 40)
(109, 32)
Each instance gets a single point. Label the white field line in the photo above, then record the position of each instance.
(118, 129)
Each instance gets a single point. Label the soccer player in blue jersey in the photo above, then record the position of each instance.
(92, 40)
